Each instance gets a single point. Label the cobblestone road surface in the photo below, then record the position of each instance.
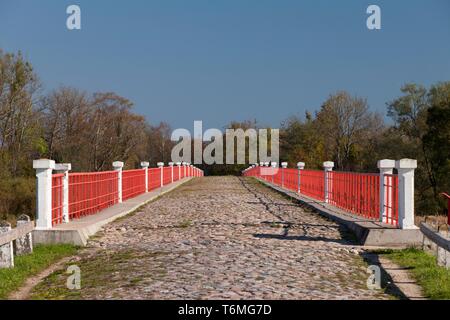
(218, 238)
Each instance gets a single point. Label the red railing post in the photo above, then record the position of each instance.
(386, 167)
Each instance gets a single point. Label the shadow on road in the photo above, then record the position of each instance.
(299, 238)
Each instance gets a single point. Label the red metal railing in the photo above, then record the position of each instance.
(276, 177)
(167, 175)
(312, 184)
(133, 183)
(176, 175)
(92, 192)
(57, 199)
(154, 178)
(391, 199)
(355, 192)
(290, 177)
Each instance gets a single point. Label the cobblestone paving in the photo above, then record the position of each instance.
(219, 238)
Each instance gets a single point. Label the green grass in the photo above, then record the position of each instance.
(434, 280)
(185, 224)
(28, 265)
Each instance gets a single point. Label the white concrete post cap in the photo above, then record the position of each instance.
(178, 163)
(386, 164)
(145, 164)
(284, 164)
(171, 164)
(301, 165)
(406, 164)
(160, 164)
(63, 166)
(274, 164)
(118, 164)
(328, 164)
(43, 164)
(261, 164)
(266, 164)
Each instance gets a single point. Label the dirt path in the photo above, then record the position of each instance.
(24, 291)
(218, 238)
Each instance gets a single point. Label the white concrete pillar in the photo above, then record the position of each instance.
(328, 167)
(145, 165)
(6, 250)
(161, 167)
(179, 170)
(44, 169)
(24, 245)
(274, 166)
(64, 168)
(300, 166)
(385, 166)
(405, 169)
(283, 166)
(118, 166)
(171, 170)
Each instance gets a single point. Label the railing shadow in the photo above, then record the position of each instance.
(387, 283)
(299, 238)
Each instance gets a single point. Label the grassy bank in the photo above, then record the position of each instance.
(434, 280)
(30, 265)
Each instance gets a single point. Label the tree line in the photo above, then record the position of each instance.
(91, 130)
(346, 131)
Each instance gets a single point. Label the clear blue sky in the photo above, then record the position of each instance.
(218, 61)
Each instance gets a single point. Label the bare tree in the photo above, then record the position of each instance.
(344, 121)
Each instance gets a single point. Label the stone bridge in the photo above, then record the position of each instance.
(218, 238)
